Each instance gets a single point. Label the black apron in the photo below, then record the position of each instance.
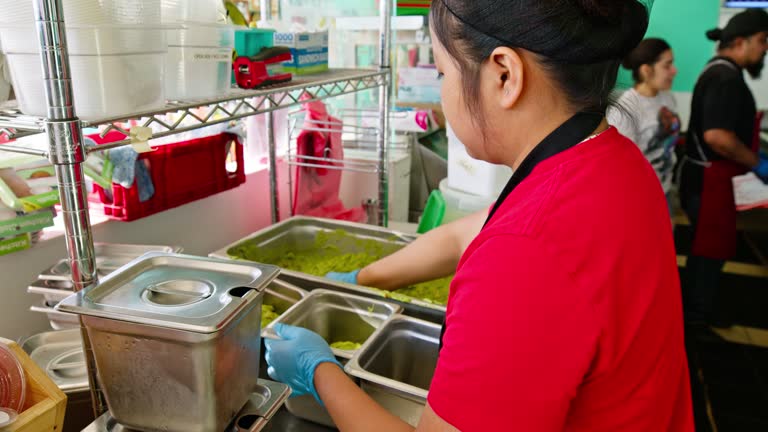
(568, 135)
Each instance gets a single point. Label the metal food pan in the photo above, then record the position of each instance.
(339, 317)
(53, 291)
(265, 401)
(282, 295)
(58, 320)
(109, 257)
(395, 366)
(299, 233)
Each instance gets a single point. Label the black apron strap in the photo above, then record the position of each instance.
(568, 135)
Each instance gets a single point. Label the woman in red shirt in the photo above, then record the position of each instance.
(565, 312)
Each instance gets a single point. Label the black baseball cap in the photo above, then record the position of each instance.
(743, 24)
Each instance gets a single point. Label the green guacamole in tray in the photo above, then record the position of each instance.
(325, 256)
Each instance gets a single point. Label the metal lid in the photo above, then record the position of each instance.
(60, 355)
(180, 292)
(109, 257)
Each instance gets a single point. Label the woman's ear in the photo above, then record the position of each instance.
(646, 72)
(506, 70)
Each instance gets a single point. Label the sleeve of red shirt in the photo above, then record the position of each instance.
(519, 341)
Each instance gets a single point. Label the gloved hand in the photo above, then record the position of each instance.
(761, 170)
(294, 359)
(350, 277)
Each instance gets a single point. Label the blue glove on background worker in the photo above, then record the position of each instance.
(349, 277)
(294, 359)
(761, 170)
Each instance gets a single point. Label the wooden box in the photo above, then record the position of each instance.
(45, 404)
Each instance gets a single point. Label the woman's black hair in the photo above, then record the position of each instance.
(648, 52)
(579, 42)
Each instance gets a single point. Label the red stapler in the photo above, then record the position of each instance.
(263, 69)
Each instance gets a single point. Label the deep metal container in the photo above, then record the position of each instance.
(176, 339)
(396, 365)
(298, 234)
(339, 317)
(109, 257)
(262, 405)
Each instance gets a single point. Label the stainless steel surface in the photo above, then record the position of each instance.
(397, 363)
(385, 51)
(60, 355)
(273, 192)
(175, 339)
(298, 234)
(339, 317)
(67, 153)
(109, 257)
(51, 290)
(307, 408)
(181, 292)
(264, 402)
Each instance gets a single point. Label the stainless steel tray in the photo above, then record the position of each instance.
(396, 365)
(339, 317)
(109, 257)
(60, 355)
(300, 231)
(51, 290)
(266, 399)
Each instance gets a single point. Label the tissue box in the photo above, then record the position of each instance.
(15, 244)
(309, 51)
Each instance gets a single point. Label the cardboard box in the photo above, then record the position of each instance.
(26, 223)
(15, 244)
(309, 51)
(29, 189)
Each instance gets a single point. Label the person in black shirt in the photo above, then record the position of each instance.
(722, 142)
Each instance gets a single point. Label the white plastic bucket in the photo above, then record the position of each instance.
(199, 61)
(103, 86)
(200, 11)
(96, 12)
(459, 204)
(473, 176)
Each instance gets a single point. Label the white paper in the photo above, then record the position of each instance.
(750, 192)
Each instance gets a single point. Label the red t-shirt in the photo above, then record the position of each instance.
(565, 313)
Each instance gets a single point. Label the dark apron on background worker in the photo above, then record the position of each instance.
(715, 236)
(574, 131)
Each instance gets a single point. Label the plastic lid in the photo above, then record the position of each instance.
(13, 384)
(7, 416)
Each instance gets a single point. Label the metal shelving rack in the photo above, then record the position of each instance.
(67, 152)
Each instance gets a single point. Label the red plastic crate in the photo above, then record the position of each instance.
(181, 172)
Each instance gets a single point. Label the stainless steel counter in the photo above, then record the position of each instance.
(284, 421)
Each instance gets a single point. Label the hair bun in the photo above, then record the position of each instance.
(610, 9)
(715, 34)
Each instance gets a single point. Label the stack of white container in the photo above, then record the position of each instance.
(199, 62)
(472, 185)
(117, 54)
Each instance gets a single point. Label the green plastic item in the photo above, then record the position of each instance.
(249, 42)
(434, 212)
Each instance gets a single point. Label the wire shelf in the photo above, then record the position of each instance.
(177, 117)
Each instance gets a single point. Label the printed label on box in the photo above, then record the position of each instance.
(25, 224)
(15, 244)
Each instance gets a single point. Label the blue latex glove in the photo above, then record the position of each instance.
(294, 359)
(350, 277)
(761, 170)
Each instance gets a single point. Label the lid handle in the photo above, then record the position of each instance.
(241, 291)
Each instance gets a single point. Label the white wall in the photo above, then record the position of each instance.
(199, 227)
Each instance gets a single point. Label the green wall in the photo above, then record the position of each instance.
(683, 24)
